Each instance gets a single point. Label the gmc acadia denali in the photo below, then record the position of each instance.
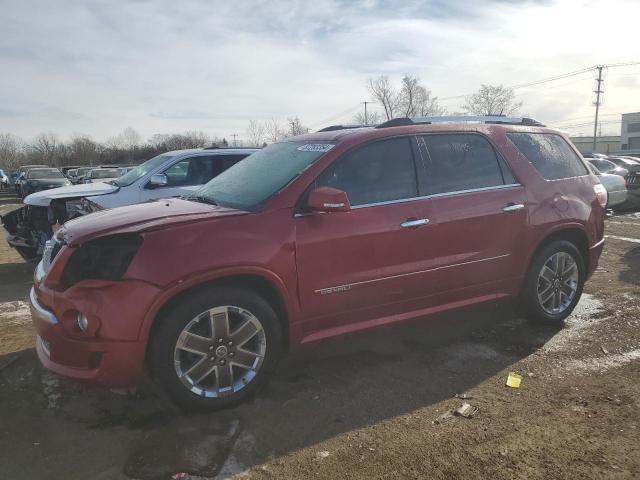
(316, 236)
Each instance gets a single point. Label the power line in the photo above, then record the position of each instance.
(553, 78)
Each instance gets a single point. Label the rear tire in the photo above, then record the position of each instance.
(215, 348)
(553, 285)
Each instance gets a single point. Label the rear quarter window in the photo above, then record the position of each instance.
(550, 154)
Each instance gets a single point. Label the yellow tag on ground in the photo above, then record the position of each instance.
(513, 380)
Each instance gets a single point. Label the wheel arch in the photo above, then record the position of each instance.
(571, 233)
(267, 285)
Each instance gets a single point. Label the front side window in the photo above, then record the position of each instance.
(378, 172)
(460, 161)
(199, 170)
(550, 154)
(141, 170)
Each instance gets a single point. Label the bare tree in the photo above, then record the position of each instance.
(296, 127)
(408, 96)
(83, 150)
(255, 133)
(45, 147)
(373, 118)
(191, 139)
(274, 132)
(384, 93)
(10, 151)
(426, 105)
(492, 100)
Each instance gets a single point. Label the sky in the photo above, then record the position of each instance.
(163, 66)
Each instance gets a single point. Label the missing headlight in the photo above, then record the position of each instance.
(105, 258)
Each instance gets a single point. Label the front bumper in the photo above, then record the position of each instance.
(100, 357)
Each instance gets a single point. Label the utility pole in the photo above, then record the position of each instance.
(366, 118)
(597, 91)
(234, 135)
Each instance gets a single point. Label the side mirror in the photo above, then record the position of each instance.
(327, 199)
(157, 180)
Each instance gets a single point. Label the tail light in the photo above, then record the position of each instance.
(601, 194)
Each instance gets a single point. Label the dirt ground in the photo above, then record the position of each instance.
(372, 405)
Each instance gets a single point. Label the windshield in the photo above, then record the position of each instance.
(82, 171)
(104, 173)
(37, 174)
(141, 170)
(253, 180)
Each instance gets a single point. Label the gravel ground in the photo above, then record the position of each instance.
(373, 405)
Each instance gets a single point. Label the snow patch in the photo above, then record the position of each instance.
(602, 364)
(583, 317)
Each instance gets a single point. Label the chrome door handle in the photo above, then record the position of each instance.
(513, 207)
(414, 223)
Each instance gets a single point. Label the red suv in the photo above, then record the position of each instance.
(316, 236)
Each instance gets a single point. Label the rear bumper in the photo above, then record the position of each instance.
(105, 362)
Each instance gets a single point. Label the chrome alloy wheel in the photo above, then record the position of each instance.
(557, 283)
(220, 351)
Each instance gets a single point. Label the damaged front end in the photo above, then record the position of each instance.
(28, 228)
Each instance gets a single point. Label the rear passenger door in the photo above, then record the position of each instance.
(188, 174)
(480, 214)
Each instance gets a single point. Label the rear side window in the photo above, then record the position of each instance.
(550, 154)
(458, 162)
(378, 172)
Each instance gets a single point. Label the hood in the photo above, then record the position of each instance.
(140, 218)
(42, 199)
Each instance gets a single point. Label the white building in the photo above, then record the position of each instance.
(631, 131)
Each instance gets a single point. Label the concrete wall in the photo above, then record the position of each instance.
(606, 145)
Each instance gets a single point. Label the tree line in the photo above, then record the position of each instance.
(407, 98)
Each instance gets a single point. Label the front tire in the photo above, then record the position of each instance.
(554, 282)
(215, 348)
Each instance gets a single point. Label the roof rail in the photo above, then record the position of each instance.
(333, 128)
(488, 119)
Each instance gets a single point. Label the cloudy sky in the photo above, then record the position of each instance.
(160, 66)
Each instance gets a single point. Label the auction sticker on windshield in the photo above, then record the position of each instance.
(316, 147)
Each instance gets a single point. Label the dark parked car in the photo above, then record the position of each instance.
(20, 178)
(607, 166)
(38, 179)
(317, 236)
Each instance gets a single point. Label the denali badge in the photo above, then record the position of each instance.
(341, 288)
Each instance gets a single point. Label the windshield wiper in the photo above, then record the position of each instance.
(201, 199)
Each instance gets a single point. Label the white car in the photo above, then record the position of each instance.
(171, 174)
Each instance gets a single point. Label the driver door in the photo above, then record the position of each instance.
(371, 261)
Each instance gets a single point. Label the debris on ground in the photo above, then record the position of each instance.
(323, 454)
(604, 350)
(513, 380)
(181, 476)
(463, 396)
(466, 410)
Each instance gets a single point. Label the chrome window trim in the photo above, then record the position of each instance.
(438, 195)
(347, 286)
